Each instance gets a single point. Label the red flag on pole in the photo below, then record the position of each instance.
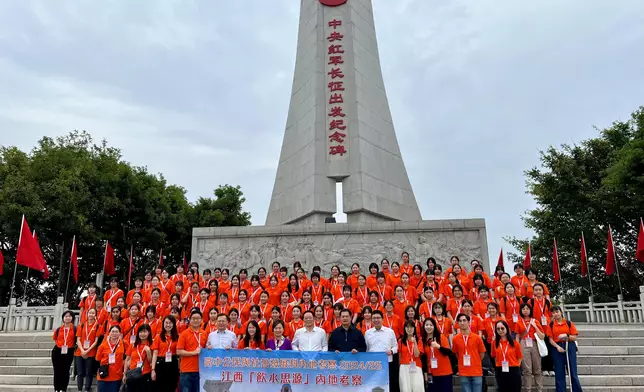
(74, 260)
(500, 262)
(45, 270)
(610, 254)
(29, 253)
(528, 258)
(129, 275)
(639, 253)
(108, 265)
(161, 257)
(584, 257)
(555, 263)
(1, 262)
(185, 263)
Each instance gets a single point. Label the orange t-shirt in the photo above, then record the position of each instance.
(274, 295)
(361, 295)
(509, 307)
(65, 337)
(518, 283)
(130, 296)
(557, 329)
(352, 305)
(251, 345)
(541, 308)
(103, 357)
(473, 346)
(86, 304)
(444, 326)
(163, 347)
(399, 308)
(392, 322)
(526, 326)
(87, 333)
(527, 290)
(480, 307)
(454, 307)
(490, 324)
(444, 366)
(137, 354)
(129, 328)
(189, 340)
(411, 295)
(233, 294)
(261, 323)
(385, 292)
(111, 296)
(394, 280)
(406, 352)
(254, 294)
(505, 352)
(352, 281)
(476, 324)
(426, 309)
(224, 286)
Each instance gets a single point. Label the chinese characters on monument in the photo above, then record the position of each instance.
(336, 116)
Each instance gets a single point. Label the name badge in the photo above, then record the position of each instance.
(528, 342)
(544, 320)
(111, 359)
(63, 350)
(515, 318)
(467, 360)
(487, 315)
(168, 356)
(505, 367)
(412, 367)
(315, 303)
(434, 363)
(132, 339)
(109, 308)
(86, 344)
(139, 364)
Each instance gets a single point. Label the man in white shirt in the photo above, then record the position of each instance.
(383, 339)
(222, 337)
(309, 338)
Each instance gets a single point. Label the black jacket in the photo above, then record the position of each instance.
(346, 340)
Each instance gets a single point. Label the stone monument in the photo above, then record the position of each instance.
(339, 129)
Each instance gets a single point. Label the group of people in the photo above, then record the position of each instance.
(431, 324)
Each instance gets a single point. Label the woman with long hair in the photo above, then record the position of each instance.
(86, 345)
(279, 341)
(110, 358)
(365, 320)
(62, 354)
(409, 349)
(165, 363)
(211, 325)
(390, 319)
(437, 357)
(252, 337)
(255, 289)
(507, 353)
(320, 321)
(139, 355)
(528, 329)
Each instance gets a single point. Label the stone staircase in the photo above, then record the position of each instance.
(611, 359)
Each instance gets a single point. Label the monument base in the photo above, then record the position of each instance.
(339, 244)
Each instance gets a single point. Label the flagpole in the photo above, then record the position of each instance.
(619, 280)
(15, 269)
(590, 277)
(69, 272)
(24, 293)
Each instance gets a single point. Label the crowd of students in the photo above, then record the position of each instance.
(432, 325)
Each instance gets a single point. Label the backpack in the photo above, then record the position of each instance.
(552, 323)
(57, 331)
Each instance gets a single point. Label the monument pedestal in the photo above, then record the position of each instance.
(339, 244)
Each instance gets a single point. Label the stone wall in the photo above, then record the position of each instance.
(339, 243)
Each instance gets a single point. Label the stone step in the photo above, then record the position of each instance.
(610, 369)
(25, 361)
(19, 337)
(610, 360)
(27, 370)
(29, 345)
(619, 333)
(25, 353)
(603, 341)
(611, 350)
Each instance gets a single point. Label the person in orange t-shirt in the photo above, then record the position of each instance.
(540, 306)
(499, 290)
(455, 304)
(372, 278)
(385, 291)
(139, 355)
(400, 303)
(410, 348)
(350, 303)
(352, 280)
(480, 306)
(444, 324)
(252, 337)
(165, 363)
(317, 289)
(88, 302)
(112, 353)
(405, 267)
(563, 338)
(390, 319)
(393, 279)
(527, 290)
(508, 354)
(62, 354)
(519, 278)
(425, 310)
(509, 306)
(153, 321)
(469, 349)
(417, 279)
(527, 331)
(438, 356)
(188, 348)
(86, 343)
(112, 294)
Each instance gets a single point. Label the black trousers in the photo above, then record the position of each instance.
(510, 381)
(546, 362)
(61, 364)
(141, 385)
(86, 370)
(394, 374)
(167, 375)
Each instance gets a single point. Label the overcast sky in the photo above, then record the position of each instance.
(199, 90)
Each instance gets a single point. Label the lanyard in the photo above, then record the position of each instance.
(388, 322)
(382, 293)
(513, 304)
(223, 309)
(293, 296)
(163, 286)
(114, 293)
(110, 346)
(65, 333)
(316, 293)
(197, 335)
(541, 307)
(141, 354)
(363, 295)
(460, 304)
(527, 327)
(252, 296)
(465, 340)
(233, 291)
(90, 301)
(263, 310)
(504, 350)
(88, 333)
(210, 327)
(169, 345)
(231, 327)
(411, 351)
(278, 343)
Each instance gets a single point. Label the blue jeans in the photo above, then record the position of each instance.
(471, 384)
(189, 382)
(560, 362)
(109, 386)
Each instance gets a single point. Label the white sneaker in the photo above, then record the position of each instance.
(545, 373)
(552, 374)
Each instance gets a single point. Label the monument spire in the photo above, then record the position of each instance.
(339, 126)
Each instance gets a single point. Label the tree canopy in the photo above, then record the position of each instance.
(585, 188)
(71, 186)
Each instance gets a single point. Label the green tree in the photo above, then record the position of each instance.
(585, 188)
(70, 186)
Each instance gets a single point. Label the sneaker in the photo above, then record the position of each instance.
(551, 374)
(545, 373)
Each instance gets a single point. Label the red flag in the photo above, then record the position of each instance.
(45, 270)
(555, 263)
(500, 262)
(129, 275)
(584, 257)
(185, 263)
(639, 253)
(74, 260)
(161, 257)
(29, 253)
(528, 258)
(1, 262)
(108, 265)
(610, 254)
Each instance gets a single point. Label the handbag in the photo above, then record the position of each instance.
(543, 349)
(104, 370)
(133, 375)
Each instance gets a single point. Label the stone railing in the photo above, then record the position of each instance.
(631, 312)
(31, 318)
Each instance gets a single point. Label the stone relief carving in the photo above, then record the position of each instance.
(336, 249)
